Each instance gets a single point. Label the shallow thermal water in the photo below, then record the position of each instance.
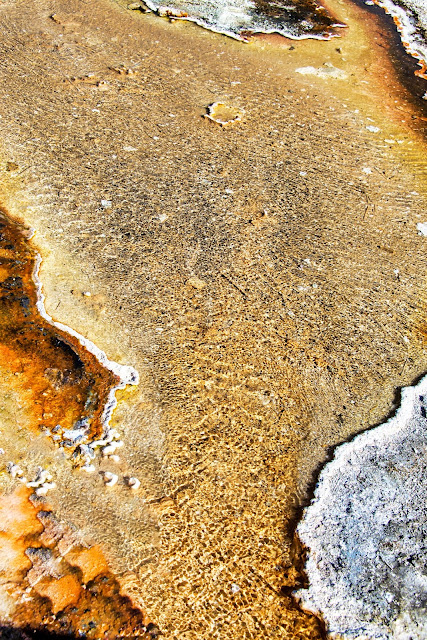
(365, 530)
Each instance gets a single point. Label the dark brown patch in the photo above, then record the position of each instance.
(317, 19)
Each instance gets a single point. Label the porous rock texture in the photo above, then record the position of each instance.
(366, 531)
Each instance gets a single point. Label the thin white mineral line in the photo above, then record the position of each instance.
(126, 373)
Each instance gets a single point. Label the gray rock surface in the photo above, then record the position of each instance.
(366, 531)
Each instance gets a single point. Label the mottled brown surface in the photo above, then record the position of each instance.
(321, 20)
(267, 289)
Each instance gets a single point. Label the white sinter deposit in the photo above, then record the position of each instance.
(232, 17)
(366, 531)
(411, 20)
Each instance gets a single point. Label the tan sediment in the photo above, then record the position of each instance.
(248, 378)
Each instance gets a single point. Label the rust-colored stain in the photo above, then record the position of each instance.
(74, 592)
(62, 382)
(51, 578)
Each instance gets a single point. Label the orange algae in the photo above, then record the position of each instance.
(76, 593)
(60, 382)
(62, 593)
(51, 578)
(91, 562)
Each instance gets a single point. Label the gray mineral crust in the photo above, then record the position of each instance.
(366, 531)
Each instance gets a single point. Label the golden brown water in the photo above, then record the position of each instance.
(68, 583)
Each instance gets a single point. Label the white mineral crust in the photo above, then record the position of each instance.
(231, 17)
(366, 531)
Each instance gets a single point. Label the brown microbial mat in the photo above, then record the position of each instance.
(315, 17)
